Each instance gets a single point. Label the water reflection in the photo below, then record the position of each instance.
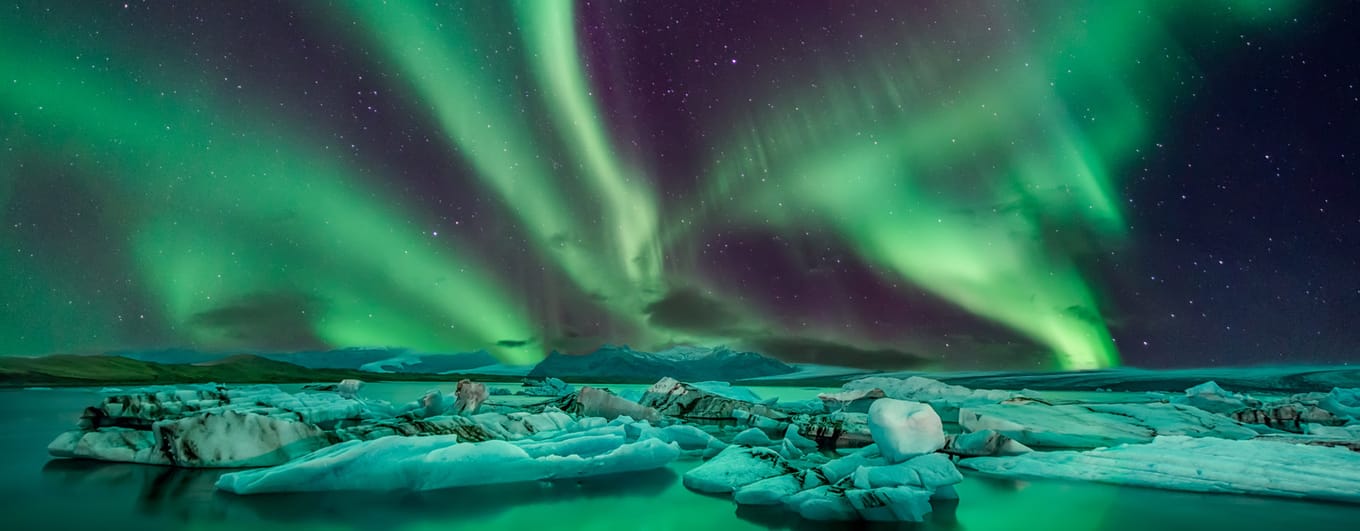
(185, 495)
(156, 490)
(776, 517)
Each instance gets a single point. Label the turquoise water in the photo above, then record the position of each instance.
(36, 493)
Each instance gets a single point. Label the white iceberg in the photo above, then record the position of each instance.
(904, 429)
(1199, 465)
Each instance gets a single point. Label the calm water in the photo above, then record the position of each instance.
(36, 493)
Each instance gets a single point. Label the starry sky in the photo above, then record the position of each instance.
(952, 184)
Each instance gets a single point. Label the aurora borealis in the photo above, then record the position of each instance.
(973, 184)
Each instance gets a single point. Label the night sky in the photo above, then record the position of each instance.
(960, 184)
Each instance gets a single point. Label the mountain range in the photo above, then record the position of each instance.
(612, 364)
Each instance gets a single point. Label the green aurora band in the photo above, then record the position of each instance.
(595, 217)
(986, 177)
(966, 192)
(302, 222)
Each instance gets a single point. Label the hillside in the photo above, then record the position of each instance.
(73, 370)
(687, 364)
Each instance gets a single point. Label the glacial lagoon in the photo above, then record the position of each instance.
(41, 492)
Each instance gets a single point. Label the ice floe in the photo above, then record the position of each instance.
(736, 467)
(425, 463)
(1200, 465)
(1037, 424)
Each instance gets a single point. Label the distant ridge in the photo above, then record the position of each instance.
(694, 364)
(378, 360)
(75, 370)
(608, 364)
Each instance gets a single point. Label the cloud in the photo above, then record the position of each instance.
(688, 310)
(275, 320)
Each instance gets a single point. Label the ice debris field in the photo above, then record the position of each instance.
(880, 449)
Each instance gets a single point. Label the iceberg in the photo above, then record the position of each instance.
(600, 403)
(835, 430)
(753, 437)
(928, 472)
(546, 387)
(892, 493)
(1293, 413)
(437, 462)
(890, 504)
(768, 491)
(727, 390)
(688, 437)
(349, 388)
(1349, 431)
(469, 397)
(854, 400)
(1200, 465)
(209, 426)
(226, 439)
(982, 443)
(1037, 424)
(736, 467)
(904, 429)
(214, 426)
(1214, 399)
(898, 493)
(797, 440)
(945, 398)
(674, 398)
(865, 485)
